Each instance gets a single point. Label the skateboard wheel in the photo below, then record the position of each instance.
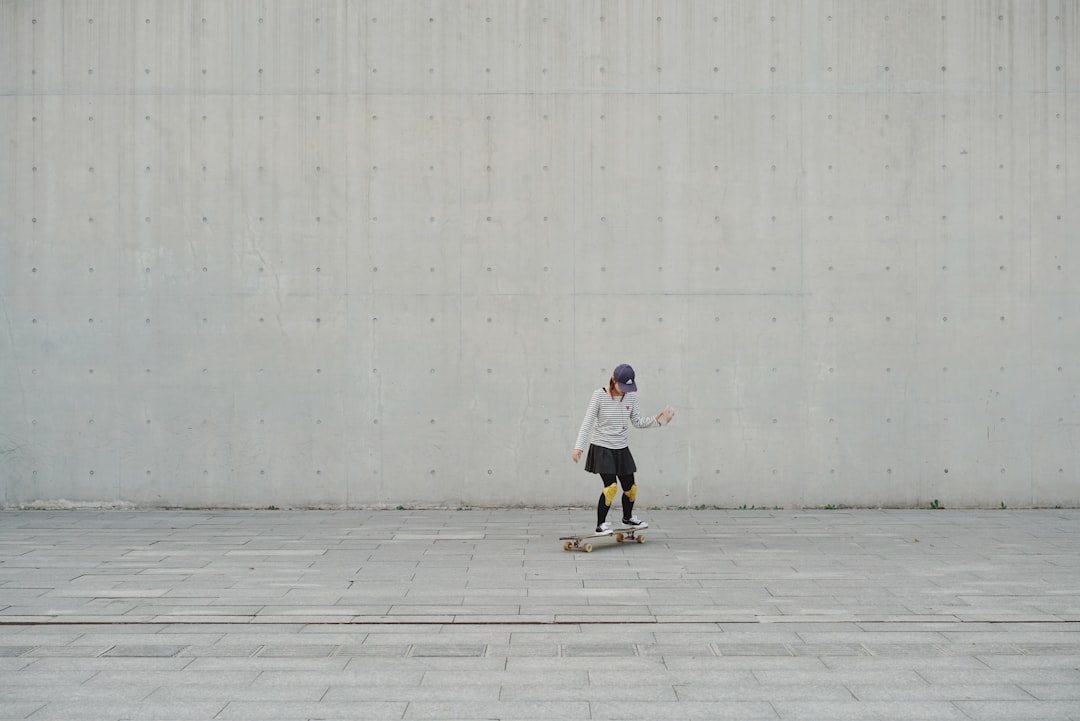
(567, 545)
(619, 537)
(641, 539)
(588, 548)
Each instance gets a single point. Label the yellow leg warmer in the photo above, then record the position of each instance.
(609, 493)
(631, 495)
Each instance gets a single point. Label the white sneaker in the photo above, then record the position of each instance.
(635, 521)
(604, 528)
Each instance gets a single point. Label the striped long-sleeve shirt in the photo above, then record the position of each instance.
(607, 421)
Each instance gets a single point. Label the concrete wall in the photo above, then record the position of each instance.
(365, 252)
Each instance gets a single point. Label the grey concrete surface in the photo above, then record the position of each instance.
(163, 615)
(378, 252)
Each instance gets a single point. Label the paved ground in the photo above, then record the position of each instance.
(819, 616)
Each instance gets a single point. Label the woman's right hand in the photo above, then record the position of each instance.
(576, 455)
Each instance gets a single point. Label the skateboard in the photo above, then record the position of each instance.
(622, 535)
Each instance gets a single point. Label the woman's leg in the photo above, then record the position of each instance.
(629, 488)
(608, 495)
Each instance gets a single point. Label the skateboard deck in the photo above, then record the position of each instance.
(622, 535)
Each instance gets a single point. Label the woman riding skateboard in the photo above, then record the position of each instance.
(606, 430)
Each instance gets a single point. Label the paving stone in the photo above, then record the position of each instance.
(263, 663)
(860, 710)
(1019, 710)
(374, 649)
(543, 690)
(256, 710)
(599, 650)
(44, 694)
(386, 675)
(14, 651)
(185, 677)
(297, 651)
(937, 692)
(705, 710)
(819, 650)
(523, 650)
(553, 675)
(524, 710)
(845, 676)
(1030, 662)
(448, 650)
(411, 694)
(130, 651)
(669, 650)
(187, 693)
(73, 652)
(113, 663)
(753, 649)
(1054, 692)
(757, 692)
(44, 678)
(135, 711)
(222, 651)
(995, 676)
(19, 710)
(1050, 649)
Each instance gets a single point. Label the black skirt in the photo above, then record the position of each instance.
(607, 460)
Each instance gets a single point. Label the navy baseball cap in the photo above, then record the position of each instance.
(624, 378)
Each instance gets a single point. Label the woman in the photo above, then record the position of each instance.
(606, 429)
